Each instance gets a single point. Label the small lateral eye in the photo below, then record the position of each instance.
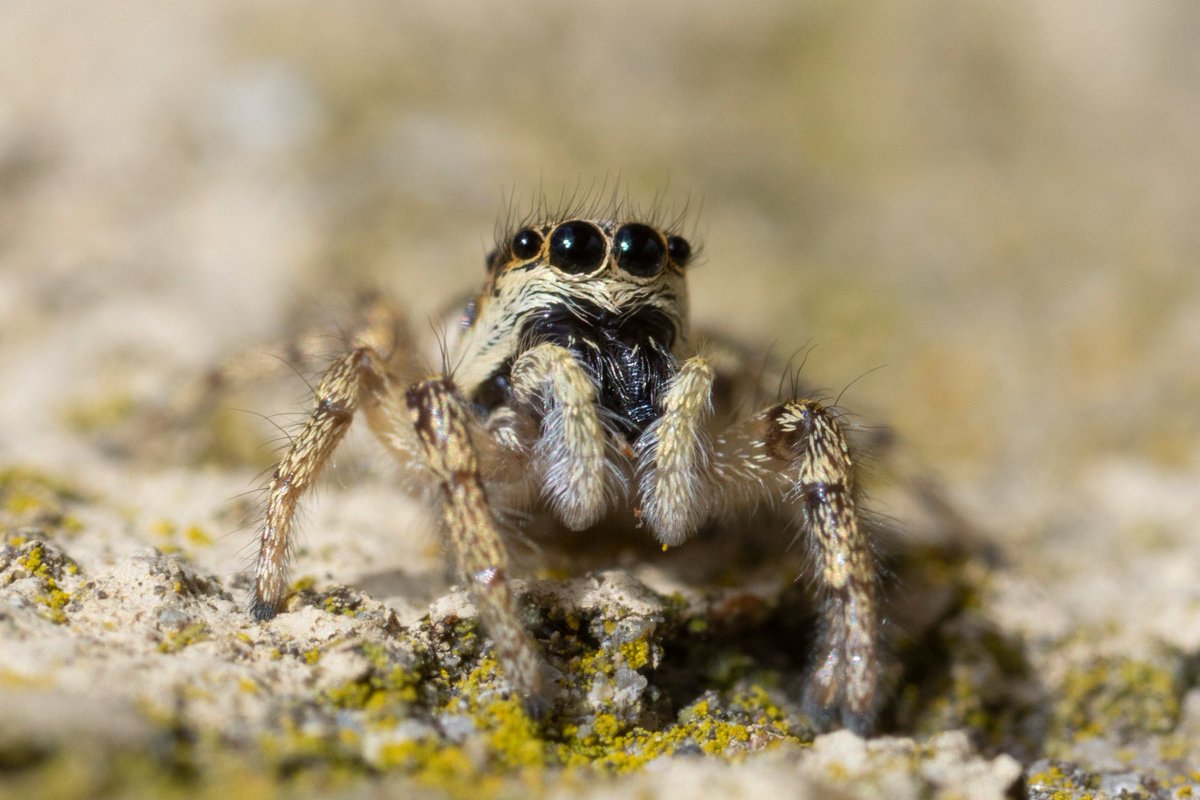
(576, 247)
(679, 250)
(639, 250)
(526, 244)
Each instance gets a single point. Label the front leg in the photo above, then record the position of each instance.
(442, 421)
(798, 449)
(673, 456)
(796, 452)
(809, 439)
(572, 444)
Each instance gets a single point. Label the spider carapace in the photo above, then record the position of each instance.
(576, 386)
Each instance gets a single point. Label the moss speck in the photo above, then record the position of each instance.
(383, 693)
(1118, 696)
(636, 654)
(176, 640)
(31, 497)
(52, 599)
(100, 414)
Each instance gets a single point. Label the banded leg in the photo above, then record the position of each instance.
(202, 406)
(442, 424)
(673, 459)
(572, 441)
(804, 438)
(355, 379)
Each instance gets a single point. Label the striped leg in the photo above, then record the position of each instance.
(801, 441)
(441, 421)
(822, 474)
(355, 379)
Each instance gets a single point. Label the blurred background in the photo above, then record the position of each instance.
(995, 202)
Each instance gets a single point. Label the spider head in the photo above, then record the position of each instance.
(583, 248)
(612, 292)
(592, 269)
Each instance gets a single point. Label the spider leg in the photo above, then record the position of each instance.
(797, 451)
(429, 428)
(357, 377)
(572, 445)
(362, 378)
(442, 422)
(376, 324)
(673, 456)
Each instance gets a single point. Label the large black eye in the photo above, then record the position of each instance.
(576, 247)
(679, 250)
(639, 250)
(526, 244)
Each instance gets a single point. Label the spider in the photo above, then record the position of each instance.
(578, 388)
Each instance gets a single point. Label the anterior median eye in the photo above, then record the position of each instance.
(639, 250)
(576, 247)
(679, 250)
(526, 244)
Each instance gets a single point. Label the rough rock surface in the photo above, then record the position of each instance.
(997, 201)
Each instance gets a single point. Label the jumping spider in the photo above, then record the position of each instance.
(576, 383)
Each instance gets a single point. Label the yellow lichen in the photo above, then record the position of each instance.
(1116, 696)
(196, 535)
(292, 746)
(342, 604)
(52, 600)
(445, 768)
(303, 583)
(1060, 785)
(610, 745)
(384, 691)
(636, 654)
(511, 735)
(176, 640)
(18, 680)
(504, 747)
(34, 497)
(99, 415)
(169, 530)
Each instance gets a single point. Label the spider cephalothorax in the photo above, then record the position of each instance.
(577, 386)
(611, 294)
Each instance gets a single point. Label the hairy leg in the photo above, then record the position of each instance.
(572, 444)
(355, 379)
(362, 378)
(197, 419)
(673, 456)
(442, 423)
(797, 450)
